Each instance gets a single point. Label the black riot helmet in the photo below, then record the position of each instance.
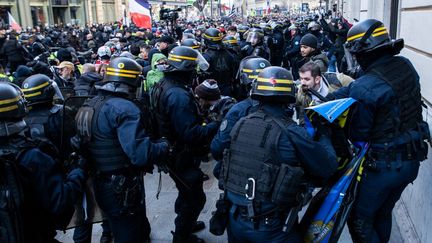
(123, 70)
(39, 89)
(230, 42)
(250, 68)
(212, 36)
(242, 30)
(274, 85)
(192, 43)
(255, 36)
(182, 58)
(366, 36)
(38, 48)
(12, 102)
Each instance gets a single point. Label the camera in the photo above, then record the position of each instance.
(169, 14)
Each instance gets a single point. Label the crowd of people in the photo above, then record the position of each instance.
(100, 106)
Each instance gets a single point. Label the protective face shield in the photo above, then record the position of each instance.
(254, 38)
(202, 62)
(58, 95)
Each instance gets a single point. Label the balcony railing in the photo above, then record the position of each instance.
(60, 2)
(75, 2)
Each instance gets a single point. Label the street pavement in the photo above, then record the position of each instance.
(161, 211)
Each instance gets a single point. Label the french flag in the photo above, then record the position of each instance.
(13, 24)
(140, 13)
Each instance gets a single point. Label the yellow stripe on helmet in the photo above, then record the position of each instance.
(281, 81)
(247, 70)
(217, 38)
(32, 95)
(231, 41)
(380, 33)
(354, 37)
(270, 88)
(8, 101)
(174, 59)
(122, 75)
(35, 88)
(122, 71)
(8, 108)
(182, 57)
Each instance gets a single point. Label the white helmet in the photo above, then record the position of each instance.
(104, 51)
(314, 26)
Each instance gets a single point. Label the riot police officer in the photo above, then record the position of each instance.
(276, 44)
(111, 129)
(222, 63)
(389, 117)
(192, 43)
(248, 72)
(255, 44)
(42, 199)
(241, 30)
(44, 118)
(292, 46)
(269, 154)
(179, 121)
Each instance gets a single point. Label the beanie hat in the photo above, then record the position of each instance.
(64, 54)
(22, 71)
(208, 90)
(309, 40)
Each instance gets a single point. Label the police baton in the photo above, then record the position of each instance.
(293, 213)
(291, 217)
(318, 95)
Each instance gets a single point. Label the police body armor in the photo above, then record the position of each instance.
(105, 153)
(399, 75)
(252, 166)
(11, 197)
(162, 121)
(37, 121)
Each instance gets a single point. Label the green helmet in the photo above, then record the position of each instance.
(274, 85)
(123, 70)
(366, 36)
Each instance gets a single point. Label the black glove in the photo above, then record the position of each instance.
(77, 161)
(167, 158)
(322, 127)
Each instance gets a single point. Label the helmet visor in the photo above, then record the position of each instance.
(254, 38)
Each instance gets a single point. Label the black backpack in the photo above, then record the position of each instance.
(11, 199)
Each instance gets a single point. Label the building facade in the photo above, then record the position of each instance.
(410, 20)
(49, 12)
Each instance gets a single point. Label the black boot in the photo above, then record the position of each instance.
(186, 239)
(106, 238)
(199, 225)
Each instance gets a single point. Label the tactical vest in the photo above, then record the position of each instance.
(105, 153)
(253, 166)
(11, 197)
(161, 119)
(400, 76)
(37, 121)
